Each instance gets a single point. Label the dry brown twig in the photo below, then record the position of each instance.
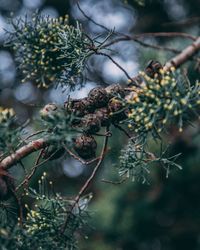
(185, 55)
(89, 180)
(137, 37)
(36, 165)
(78, 158)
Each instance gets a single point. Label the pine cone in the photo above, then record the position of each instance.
(91, 123)
(99, 97)
(3, 189)
(103, 116)
(116, 109)
(85, 146)
(115, 89)
(6, 185)
(90, 107)
(76, 106)
(80, 107)
(152, 68)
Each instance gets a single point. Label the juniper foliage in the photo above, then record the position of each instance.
(50, 52)
(43, 221)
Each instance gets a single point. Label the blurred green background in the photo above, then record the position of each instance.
(163, 214)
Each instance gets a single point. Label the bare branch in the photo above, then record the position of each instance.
(89, 180)
(186, 22)
(166, 34)
(184, 56)
(149, 34)
(33, 170)
(78, 158)
(23, 152)
(89, 18)
(115, 182)
(142, 43)
(36, 145)
(117, 64)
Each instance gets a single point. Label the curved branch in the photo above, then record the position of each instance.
(36, 145)
(166, 34)
(23, 152)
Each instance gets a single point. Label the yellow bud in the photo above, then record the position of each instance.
(162, 71)
(176, 112)
(183, 101)
(164, 121)
(172, 68)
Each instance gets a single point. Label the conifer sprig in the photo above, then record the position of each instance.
(49, 50)
(43, 221)
(9, 133)
(136, 162)
(165, 99)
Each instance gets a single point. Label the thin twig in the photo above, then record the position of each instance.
(189, 21)
(166, 34)
(89, 18)
(78, 158)
(137, 37)
(115, 182)
(89, 180)
(144, 44)
(36, 133)
(28, 177)
(123, 130)
(36, 165)
(149, 34)
(22, 165)
(22, 152)
(117, 64)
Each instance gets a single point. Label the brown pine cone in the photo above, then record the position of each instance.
(85, 146)
(90, 107)
(103, 116)
(91, 123)
(99, 97)
(115, 89)
(152, 68)
(116, 109)
(3, 189)
(80, 107)
(76, 106)
(6, 185)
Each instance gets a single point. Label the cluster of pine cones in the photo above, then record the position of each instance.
(101, 108)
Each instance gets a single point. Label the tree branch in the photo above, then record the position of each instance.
(89, 180)
(184, 56)
(36, 145)
(23, 152)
